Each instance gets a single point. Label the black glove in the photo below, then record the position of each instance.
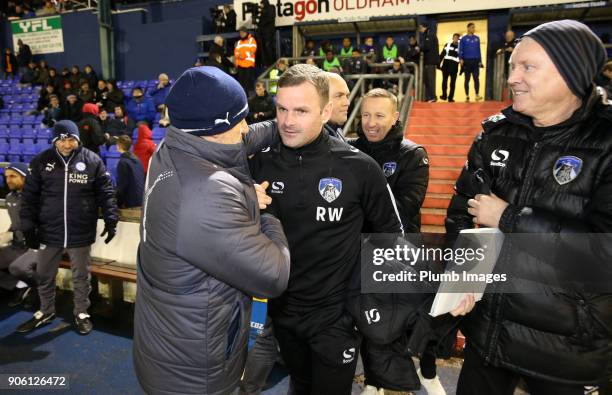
(31, 239)
(110, 232)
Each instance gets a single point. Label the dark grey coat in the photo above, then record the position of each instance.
(204, 252)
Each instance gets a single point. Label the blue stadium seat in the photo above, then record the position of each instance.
(15, 132)
(159, 133)
(28, 142)
(3, 132)
(28, 130)
(13, 158)
(42, 145)
(39, 118)
(44, 134)
(127, 92)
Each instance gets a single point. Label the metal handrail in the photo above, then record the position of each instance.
(498, 76)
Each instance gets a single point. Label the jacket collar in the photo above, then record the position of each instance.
(231, 157)
(393, 139)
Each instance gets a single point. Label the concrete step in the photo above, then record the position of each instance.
(433, 229)
(437, 120)
(433, 216)
(436, 149)
(437, 200)
(441, 186)
(444, 130)
(444, 173)
(456, 161)
(448, 139)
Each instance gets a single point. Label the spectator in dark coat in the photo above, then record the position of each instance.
(53, 112)
(261, 105)
(100, 93)
(158, 95)
(90, 76)
(75, 76)
(30, 75)
(140, 108)
(66, 90)
(9, 64)
(431, 60)
(43, 99)
(86, 95)
(144, 147)
(120, 125)
(413, 51)
(90, 130)
(54, 79)
(130, 176)
(114, 96)
(24, 56)
(43, 73)
(72, 108)
(218, 47)
(215, 60)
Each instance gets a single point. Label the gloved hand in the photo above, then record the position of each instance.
(110, 232)
(31, 238)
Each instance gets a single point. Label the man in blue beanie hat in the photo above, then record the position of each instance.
(67, 185)
(13, 244)
(205, 250)
(543, 167)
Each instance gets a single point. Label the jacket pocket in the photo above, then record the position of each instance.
(234, 330)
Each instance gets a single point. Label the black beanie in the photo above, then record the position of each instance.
(575, 50)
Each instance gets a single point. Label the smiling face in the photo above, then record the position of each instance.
(537, 86)
(67, 145)
(14, 180)
(378, 115)
(300, 115)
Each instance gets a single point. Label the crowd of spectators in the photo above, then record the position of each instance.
(105, 114)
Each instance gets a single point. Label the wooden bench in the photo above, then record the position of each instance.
(109, 270)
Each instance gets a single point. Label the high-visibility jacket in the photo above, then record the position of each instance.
(244, 52)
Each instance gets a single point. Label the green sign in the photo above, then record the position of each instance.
(43, 35)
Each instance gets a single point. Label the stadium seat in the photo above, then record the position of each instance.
(15, 132)
(158, 133)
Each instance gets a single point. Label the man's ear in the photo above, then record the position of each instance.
(395, 117)
(327, 112)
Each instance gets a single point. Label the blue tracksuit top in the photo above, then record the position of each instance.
(469, 47)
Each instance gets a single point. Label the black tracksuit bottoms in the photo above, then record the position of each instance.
(320, 349)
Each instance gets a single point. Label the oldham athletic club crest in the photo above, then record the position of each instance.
(330, 188)
(566, 169)
(389, 168)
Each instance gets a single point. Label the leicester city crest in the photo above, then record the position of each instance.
(566, 169)
(389, 168)
(330, 188)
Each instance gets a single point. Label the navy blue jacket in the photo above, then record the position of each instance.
(141, 111)
(469, 47)
(159, 95)
(130, 181)
(62, 196)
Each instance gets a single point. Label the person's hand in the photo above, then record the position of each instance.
(499, 51)
(487, 209)
(5, 238)
(402, 60)
(110, 232)
(262, 198)
(256, 115)
(466, 304)
(107, 136)
(509, 49)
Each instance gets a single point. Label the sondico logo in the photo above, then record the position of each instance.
(277, 187)
(372, 316)
(499, 156)
(348, 355)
